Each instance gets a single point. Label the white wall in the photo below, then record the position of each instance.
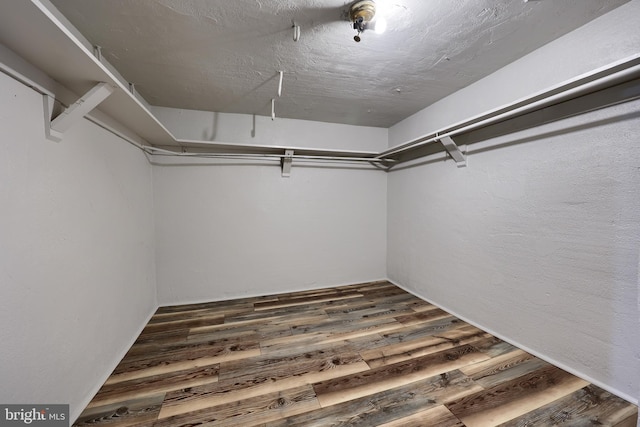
(232, 230)
(536, 241)
(77, 269)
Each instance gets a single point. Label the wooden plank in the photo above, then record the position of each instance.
(590, 405)
(388, 405)
(391, 332)
(405, 350)
(514, 398)
(250, 333)
(386, 377)
(184, 351)
(348, 306)
(336, 289)
(248, 412)
(439, 416)
(188, 344)
(354, 344)
(154, 385)
(314, 293)
(494, 347)
(289, 364)
(226, 311)
(333, 326)
(503, 361)
(308, 293)
(391, 293)
(419, 305)
(143, 369)
(194, 399)
(369, 311)
(503, 368)
(632, 421)
(128, 413)
(186, 323)
(304, 301)
(358, 330)
(261, 376)
(280, 313)
(257, 320)
(180, 315)
(422, 317)
(423, 330)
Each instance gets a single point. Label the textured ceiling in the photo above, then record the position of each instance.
(223, 55)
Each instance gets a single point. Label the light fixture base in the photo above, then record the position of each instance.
(362, 11)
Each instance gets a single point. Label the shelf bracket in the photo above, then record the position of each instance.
(77, 111)
(454, 151)
(286, 162)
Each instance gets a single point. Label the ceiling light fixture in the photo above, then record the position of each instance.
(362, 14)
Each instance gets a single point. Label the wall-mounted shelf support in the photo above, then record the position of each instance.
(286, 162)
(77, 111)
(454, 151)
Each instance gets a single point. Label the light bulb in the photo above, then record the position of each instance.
(381, 25)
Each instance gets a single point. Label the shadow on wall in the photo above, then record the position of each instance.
(563, 131)
(214, 129)
(206, 136)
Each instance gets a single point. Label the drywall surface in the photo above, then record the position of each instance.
(77, 269)
(259, 130)
(232, 230)
(537, 240)
(609, 38)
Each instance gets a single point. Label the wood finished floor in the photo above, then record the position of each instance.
(359, 355)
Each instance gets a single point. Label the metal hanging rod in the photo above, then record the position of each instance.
(598, 79)
(164, 152)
